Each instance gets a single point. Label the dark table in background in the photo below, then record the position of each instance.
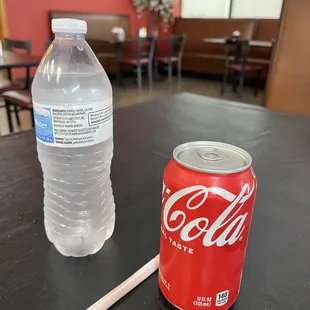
(12, 60)
(277, 269)
(253, 43)
(239, 44)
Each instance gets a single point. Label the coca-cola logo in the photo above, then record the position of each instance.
(231, 221)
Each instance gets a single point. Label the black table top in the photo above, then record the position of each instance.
(257, 43)
(277, 269)
(128, 39)
(14, 60)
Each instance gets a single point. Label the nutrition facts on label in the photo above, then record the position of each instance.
(74, 127)
(99, 117)
(205, 302)
(222, 298)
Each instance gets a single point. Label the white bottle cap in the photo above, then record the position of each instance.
(69, 25)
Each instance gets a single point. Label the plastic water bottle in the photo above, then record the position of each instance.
(73, 113)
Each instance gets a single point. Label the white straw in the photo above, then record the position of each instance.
(124, 288)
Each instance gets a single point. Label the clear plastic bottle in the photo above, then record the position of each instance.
(73, 112)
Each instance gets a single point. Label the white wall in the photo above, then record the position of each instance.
(241, 8)
(256, 8)
(205, 8)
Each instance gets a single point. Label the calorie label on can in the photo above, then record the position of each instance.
(208, 198)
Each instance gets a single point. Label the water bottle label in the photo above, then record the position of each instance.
(78, 126)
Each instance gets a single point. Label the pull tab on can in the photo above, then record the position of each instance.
(212, 157)
(210, 154)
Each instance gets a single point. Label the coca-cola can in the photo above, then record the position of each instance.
(208, 197)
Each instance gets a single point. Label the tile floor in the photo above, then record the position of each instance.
(128, 95)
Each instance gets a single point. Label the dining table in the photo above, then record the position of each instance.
(239, 44)
(10, 60)
(276, 275)
(253, 43)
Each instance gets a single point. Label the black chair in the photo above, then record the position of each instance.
(138, 53)
(175, 55)
(236, 62)
(17, 44)
(10, 85)
(12, 45)
(21, 100)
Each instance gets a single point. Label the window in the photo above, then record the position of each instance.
(240, 8)
(205, 8)
(256, 8)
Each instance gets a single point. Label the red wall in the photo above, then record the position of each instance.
(28, 19)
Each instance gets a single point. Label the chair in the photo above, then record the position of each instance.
(236, 62)
(175, 55)
(20, 99)
(9, 85)
(17, 44)
(140, 54)
(12, 45)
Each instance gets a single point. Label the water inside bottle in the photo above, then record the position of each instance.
(78, 202)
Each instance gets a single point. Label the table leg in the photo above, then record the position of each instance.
(16, 111)
(257, 83)
(156, 68)
(234, 83)
(118, 63)
(27, 84)
(8, 114)
(238, 53)
(9, 74)
(32, 118)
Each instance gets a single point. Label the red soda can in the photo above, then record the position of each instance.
(209, 190)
